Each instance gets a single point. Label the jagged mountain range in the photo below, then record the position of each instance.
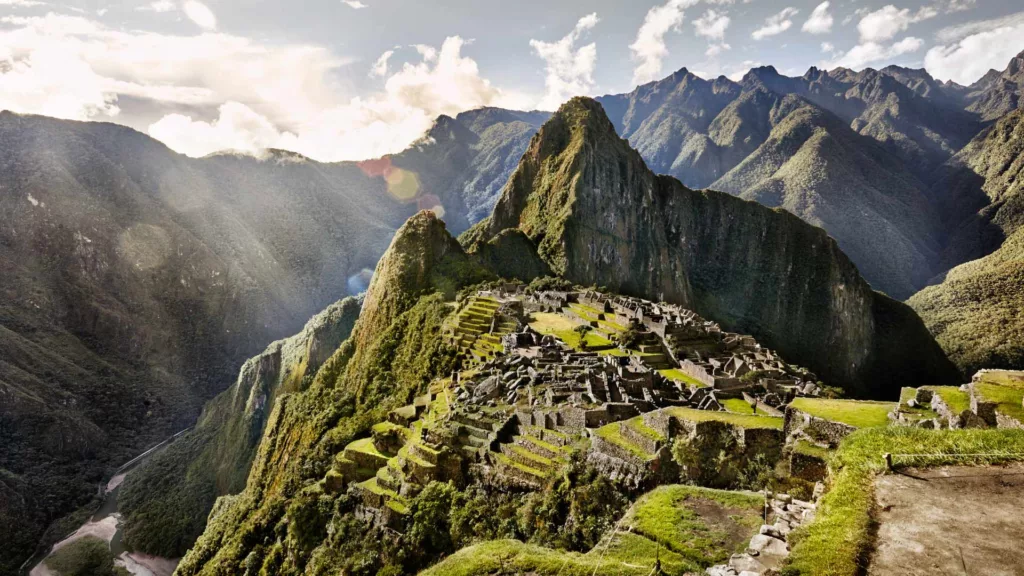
(581, 204)
(137, 280)
(148, 277)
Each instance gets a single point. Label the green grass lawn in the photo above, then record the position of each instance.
(623, 557)
(840, 537)
(741, 420)
(671, 516)
(805, 447)
(737, 406)
(953, 396)
(1008, 398)
(680, 376)
(856, 413)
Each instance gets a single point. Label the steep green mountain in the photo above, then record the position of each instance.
(978, 191)
(278, 522)
(814, 166)
(135, 281)
(462, 162)
(842, 150)
(974, 310)
(165, 502)
(975, 313)
(599, 216)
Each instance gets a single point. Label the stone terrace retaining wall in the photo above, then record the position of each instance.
(819, 429)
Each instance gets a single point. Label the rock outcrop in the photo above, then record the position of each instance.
(214, 458)
(599, 217)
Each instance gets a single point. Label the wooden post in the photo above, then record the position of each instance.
(888, 461)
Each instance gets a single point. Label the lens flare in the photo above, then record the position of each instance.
(403, 184)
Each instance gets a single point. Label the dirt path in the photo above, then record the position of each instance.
(951, 521)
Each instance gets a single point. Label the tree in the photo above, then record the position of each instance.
(582, 330)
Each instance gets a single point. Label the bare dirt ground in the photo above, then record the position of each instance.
(950, 521)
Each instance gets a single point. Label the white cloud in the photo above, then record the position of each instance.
(820, 21)
(958, 32)
(712, 25)
(227, 91)
(380, 67)
(355, 4)
(870, 52)
(200, 14)
(885, 23)
(828, 47)
(716, 49)
(776, 24)
(158, 6)
(237, 127)
(969, 58)
(570, 70)
(362, 128)
(21, 3)
(649, 47)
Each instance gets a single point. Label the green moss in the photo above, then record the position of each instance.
(856, 413)
(839, 539)
(741, 420)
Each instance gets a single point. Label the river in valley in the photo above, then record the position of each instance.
(105, 524)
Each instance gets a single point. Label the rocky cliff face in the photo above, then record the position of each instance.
(599, 216)
(395, 350)
(165, 503)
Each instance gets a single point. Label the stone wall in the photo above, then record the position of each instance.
(831, 433)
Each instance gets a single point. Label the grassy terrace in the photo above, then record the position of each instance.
(953, 396)
(805, 447)
(638, 424)
(916, 413)
(528, 469)
(680, 376)
(669, 515)
(741, 420)
(623, 556)
(839, 540)
(737, 406)
(856, 413)
(664, 524)
(613, 433)
(1008, 398)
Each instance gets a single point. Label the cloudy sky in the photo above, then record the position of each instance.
(354, 79)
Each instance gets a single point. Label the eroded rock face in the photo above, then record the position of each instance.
(214, 459)
(600, 217)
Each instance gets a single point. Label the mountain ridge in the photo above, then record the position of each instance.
(599, 216)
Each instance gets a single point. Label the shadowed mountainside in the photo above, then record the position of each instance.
(166, 501)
